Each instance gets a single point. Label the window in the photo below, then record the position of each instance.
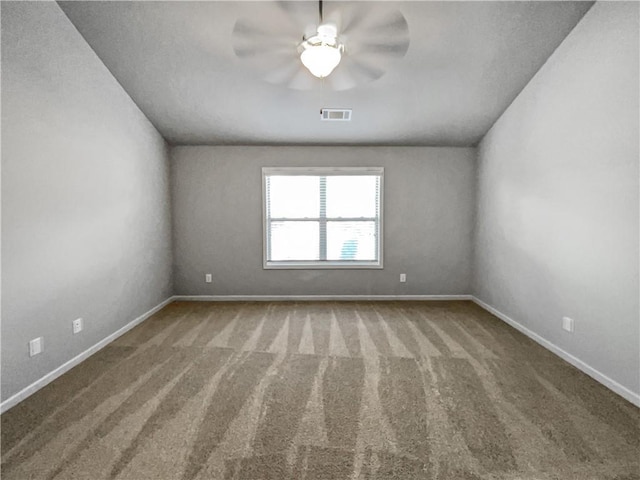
(322, 217)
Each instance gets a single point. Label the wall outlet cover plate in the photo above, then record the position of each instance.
(567, 324)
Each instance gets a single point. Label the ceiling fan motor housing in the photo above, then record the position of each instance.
(326, 34)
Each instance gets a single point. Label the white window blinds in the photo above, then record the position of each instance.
(322, 218)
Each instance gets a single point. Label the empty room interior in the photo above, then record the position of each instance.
(320, 240)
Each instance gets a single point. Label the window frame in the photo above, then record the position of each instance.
(322, 264)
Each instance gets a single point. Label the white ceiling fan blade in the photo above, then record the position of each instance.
(303, 80)
(386, 31)
(299, 14)
(249, 35)
(341, 79)
(391, 23)
(384, 50)
(348, 16)
(353, 72)
(260, 53)
(261, 49)
(361, 70)
(284, 73)
(269, 41)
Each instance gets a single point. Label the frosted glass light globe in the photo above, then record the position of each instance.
(321, 59)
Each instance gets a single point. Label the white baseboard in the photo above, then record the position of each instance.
(65, 367)
(621, 390)
(311, 298)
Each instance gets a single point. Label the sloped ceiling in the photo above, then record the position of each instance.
(465, 63)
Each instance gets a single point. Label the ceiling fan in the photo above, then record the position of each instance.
(305, 45)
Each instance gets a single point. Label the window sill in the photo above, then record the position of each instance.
(322, 265)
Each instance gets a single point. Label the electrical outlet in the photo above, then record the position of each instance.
(568, 324)
(403, 277)
(36, 346)
(208, 278)
(77, 325)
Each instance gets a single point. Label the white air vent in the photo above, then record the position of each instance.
(335, 114)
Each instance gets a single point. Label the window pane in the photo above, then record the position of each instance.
(295, 241)
(293, 196)
(351, 196)
(351, 241)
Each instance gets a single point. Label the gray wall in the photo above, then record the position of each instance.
(557, 217)
(85, 197)
(217, 205)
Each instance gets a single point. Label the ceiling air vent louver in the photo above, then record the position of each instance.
(335, 114)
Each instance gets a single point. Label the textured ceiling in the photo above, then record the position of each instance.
(465, 63)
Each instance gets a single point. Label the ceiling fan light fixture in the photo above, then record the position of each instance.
(321, 59)
(322, 52)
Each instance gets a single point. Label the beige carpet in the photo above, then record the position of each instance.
(311, 391)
